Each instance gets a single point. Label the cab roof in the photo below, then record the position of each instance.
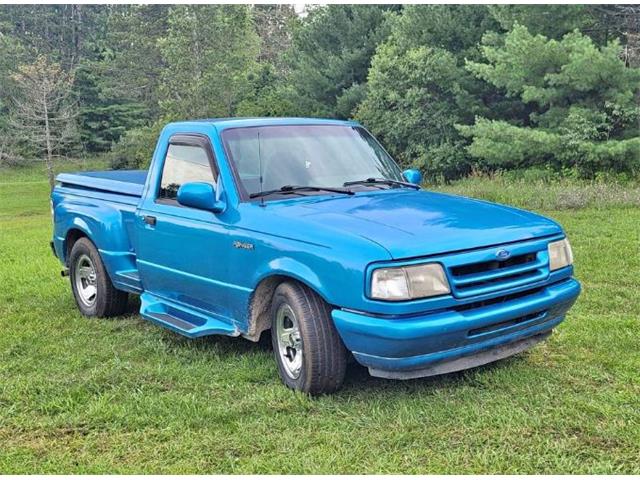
(223, 123)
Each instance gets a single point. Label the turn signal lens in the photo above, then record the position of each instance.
(560, 254)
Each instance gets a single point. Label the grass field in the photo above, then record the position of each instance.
(124, 396)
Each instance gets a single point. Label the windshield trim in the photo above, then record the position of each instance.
(244, 195)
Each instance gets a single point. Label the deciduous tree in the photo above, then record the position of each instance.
(418, 88)
(43, 113)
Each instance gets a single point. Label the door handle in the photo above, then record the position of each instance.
(149, 219)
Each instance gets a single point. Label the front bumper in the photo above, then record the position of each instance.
(408, 347)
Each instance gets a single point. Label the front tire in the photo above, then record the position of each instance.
(308, 350)
(93, 291)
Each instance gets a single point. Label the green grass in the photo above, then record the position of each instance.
(527, 190)
(122, 395)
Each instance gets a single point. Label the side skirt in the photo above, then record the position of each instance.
(182, 319)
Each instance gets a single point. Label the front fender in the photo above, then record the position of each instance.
(295, 269)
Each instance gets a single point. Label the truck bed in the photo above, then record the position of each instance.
(122, 182)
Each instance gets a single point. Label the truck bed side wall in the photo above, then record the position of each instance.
(107, 220)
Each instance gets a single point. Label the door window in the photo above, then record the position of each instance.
(183, 164)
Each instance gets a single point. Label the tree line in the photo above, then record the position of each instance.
(448, 89)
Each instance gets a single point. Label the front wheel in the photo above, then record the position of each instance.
(308, 350)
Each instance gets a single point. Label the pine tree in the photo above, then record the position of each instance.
(209, 52)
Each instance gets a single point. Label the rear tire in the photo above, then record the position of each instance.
(92, 289)
(309, 352)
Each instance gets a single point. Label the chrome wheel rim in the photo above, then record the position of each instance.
(85, 280)
(289, 341)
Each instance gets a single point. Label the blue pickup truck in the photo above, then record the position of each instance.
(308, 229)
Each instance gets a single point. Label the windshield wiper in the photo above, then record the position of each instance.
(288, 189)
(381, 181)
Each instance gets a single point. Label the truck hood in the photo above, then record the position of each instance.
(410, 223)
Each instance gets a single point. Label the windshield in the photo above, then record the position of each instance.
(306, 155)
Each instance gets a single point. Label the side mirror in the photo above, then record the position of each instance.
(412, 176)
(200, 195)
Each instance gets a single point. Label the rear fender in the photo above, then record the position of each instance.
(102, 224)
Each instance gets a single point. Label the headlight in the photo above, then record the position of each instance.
(406, 283)
(560, 254)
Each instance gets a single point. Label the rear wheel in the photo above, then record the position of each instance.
(94, 293)
(308, 350)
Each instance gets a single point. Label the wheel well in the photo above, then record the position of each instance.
(260, 304)
(73, 235)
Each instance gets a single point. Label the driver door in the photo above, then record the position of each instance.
(182, 252)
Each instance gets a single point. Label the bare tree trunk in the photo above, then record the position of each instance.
(47, 135)
(632, 50)
(78, 31)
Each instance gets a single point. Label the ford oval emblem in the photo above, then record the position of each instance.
(503, 254)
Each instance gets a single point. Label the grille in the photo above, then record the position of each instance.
(493, 265)
(482, 273)
(497, 300)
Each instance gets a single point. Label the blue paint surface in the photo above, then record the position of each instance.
(189, 264)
